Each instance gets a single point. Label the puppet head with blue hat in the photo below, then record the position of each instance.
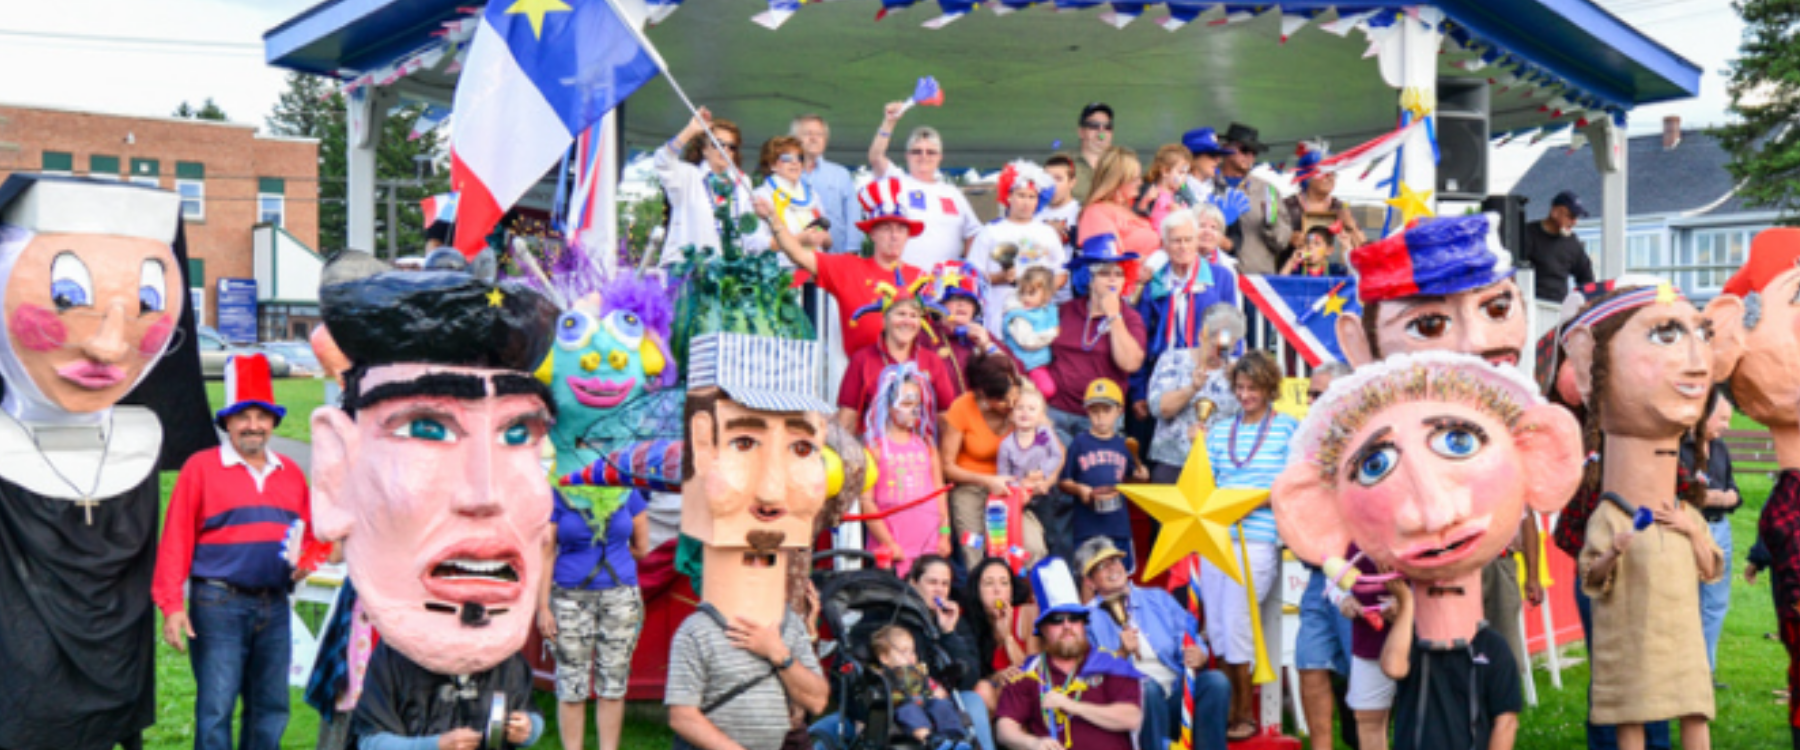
(1441, 285)
(1098, 257)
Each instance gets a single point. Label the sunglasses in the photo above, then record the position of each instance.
(1096, 125)
(1106, 273)
(729, 145)
(1314, 395)
(924, 152)
(1063, 618)
(788, 158)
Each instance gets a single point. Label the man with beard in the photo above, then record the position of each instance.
(224, 547)
(1072, 694)
(754, 477)
(1447, 285)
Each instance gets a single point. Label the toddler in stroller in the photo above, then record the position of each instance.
(921, 706)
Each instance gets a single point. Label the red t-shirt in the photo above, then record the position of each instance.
(1019, 702)
(851, 280)
(1073, 365)
(864, 373)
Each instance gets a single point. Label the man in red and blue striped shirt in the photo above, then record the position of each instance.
(223, 556)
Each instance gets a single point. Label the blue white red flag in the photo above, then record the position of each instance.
(440, 207)
(539, 72)
(1305, 310)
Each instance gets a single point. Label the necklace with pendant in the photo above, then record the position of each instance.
(86, 499)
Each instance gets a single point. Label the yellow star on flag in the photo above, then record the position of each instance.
(1412, 204)
(535, 10)
(1334, 304)
(495, 297)
(1195, 515)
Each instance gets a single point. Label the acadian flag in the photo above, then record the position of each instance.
(440, 207)
(1305, 310)
(538, 73)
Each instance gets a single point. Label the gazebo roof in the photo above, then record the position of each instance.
(1014, 83)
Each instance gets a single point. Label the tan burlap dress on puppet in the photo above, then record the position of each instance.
(1649, 654)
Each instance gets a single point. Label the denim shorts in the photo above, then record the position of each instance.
(1324, 639)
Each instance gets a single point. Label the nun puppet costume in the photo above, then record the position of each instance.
(93, 289)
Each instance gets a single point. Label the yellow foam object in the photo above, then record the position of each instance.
(652, 358)
(871, 472)
(544, 373)
(834, 471)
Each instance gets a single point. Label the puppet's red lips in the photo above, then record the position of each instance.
(600, 394)
(91, 375)
(767, 513)
(479, 572)
(1456, 547)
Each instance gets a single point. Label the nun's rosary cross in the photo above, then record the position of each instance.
(86, 501)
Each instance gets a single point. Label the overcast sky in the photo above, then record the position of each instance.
(144, 58)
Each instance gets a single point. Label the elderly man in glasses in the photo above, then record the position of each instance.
(950, 223)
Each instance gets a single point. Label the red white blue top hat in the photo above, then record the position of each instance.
(1435, 258)
(881, 202)
(247, 384)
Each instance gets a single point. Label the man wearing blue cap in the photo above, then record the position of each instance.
(1551, 247)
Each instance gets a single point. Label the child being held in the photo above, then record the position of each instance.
(921, 706)
(1098, 462)
(1031, 326)
(1033, 455)
(1016, 241)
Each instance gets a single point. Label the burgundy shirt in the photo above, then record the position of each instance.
(864, 373)
(1082, 353)
(1019, 702)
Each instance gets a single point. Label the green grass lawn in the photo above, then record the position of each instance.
(300, 396)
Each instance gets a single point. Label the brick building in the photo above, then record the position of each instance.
(231, 179)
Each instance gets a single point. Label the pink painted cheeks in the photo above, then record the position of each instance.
(38, 328)
(157, 335)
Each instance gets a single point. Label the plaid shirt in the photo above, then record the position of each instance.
(1570, 533)
(1779, 528)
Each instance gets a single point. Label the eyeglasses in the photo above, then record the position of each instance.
(923, 152)
(1312, 396)
(731, 146)
(1096, 125)
(1109, 272)
(788, 158)
(1063, 618)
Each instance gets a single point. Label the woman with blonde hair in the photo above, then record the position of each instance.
(1109, 211)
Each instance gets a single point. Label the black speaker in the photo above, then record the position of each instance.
(1511, 209)
(1462, 134)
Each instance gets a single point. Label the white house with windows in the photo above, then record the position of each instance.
(1685, 220)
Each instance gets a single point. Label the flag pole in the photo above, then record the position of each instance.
(737, 174)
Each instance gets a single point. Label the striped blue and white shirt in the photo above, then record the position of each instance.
(1261, 465)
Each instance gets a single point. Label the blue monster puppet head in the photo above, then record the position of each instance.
(610, 370)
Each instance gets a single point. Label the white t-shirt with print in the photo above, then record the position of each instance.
(948, 217)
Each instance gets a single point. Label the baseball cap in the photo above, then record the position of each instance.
(1093, 107)
(1103, 391)
(1567, 199)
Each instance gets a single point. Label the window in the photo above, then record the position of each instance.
(270, 209)
(103, 167)
(271, 206)
(146, 172)
(58, 162)
(190, 182)
(1716, 254)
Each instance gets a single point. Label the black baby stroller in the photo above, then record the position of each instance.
(853, 605)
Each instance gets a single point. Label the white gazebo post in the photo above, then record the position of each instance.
(366, 112)
(606, 193)
(1609, 143)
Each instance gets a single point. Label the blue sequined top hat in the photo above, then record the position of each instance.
(1054, 589)
(1203, 142)
(764, 373)
(1100, 248)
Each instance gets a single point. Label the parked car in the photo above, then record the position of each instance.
(214, 350)
(299, 355)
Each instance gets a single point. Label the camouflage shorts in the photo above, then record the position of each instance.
(596, 633)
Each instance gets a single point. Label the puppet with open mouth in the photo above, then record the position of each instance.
(429, 475)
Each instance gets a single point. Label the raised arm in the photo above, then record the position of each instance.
(878, 161)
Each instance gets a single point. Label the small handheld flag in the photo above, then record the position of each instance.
(925, 93)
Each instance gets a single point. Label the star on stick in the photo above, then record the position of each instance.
(1412, 204)
(1195, 515)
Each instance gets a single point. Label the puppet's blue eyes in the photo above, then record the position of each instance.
(66, 293)
(574, 330)
(1455, 443)
(516, 435)
(426, 428)
(1376, 465)
(627, 328)
(150, 300)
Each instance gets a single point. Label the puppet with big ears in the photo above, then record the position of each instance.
(1643, 361)
(1420, 459)
(429, 476)
(94, 293)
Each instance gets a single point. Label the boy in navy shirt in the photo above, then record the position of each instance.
(1098, 462)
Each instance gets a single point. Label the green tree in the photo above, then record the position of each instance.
(209, 110)
(313, 107)
(1765, 98)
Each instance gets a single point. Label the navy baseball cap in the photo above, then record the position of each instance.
(1567, 199)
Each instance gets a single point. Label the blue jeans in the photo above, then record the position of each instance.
(1324, 639)
(240, 649)
(1162, 712)
(1602, 737)
(1715, 598)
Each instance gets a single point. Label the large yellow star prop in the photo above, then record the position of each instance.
(1195, 515)
(535, 10)
(1412, 204)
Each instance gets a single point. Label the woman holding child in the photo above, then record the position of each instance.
(974, 426)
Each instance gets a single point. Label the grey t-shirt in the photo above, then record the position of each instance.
(703, 665)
